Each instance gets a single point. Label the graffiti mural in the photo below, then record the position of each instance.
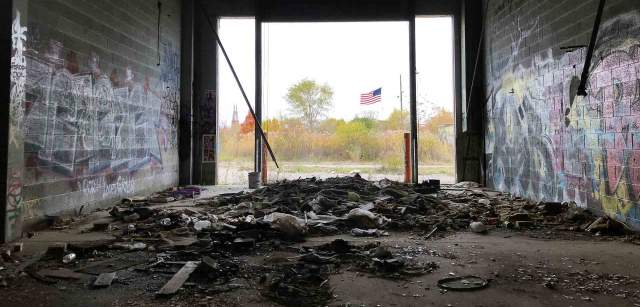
(547, 143)
(94, 129)
(81, 124)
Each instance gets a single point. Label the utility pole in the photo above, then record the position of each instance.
(400, 93)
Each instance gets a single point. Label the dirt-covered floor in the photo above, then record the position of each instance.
(548, 263)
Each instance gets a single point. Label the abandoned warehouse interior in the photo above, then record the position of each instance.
(110, 159)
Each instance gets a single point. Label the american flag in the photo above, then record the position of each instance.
(371, 97)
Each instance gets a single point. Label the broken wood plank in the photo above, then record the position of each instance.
(60, 273)
(178, 279)
(104, 279)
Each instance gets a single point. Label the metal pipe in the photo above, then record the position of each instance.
(235, 76)
(265, 166)
(407, 157)
(582, 88)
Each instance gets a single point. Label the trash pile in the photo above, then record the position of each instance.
(201, 246)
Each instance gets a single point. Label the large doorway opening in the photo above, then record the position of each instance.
(332, 98)
(235, 124)
(435, 93)
(335, 99)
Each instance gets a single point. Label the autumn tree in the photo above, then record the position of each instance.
(441, 117)
(309, 100)
(248, 125)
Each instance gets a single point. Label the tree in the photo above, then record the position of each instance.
(309, 100)
(397, 120)
(439, 118)
(248, 125)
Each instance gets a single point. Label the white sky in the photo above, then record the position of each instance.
(353, 58)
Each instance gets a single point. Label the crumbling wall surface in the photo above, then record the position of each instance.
(543, 141)
(96, 104)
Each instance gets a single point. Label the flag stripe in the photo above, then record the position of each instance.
(371, 97)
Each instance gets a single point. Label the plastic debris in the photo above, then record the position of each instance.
(68, 258)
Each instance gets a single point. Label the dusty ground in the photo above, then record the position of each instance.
(578, 270)
(515, 263)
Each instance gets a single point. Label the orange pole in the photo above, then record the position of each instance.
(264, 162)
(407, 157)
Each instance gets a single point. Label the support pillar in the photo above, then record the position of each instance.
(412, 92)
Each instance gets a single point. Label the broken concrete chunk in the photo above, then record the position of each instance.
(357, 232)
(200, 225)
(104, 280)
(288, 224)
(478, 227)
(129, 246)
(364, 219)
(131, 217)
(353, 196)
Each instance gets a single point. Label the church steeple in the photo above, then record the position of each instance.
(234, 120)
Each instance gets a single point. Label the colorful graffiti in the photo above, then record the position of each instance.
(545, 142)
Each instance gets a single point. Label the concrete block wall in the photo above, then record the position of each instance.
(541, 140)
(98, 108)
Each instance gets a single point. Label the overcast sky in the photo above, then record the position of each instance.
(352, 58)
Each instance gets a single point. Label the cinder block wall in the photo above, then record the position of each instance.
(543, 141)
(98, 118)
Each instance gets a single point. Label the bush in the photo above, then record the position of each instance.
(362, 139)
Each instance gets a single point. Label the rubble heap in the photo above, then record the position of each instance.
(203, 245)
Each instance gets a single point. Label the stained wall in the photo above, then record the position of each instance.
(541, 139)
(94, 104)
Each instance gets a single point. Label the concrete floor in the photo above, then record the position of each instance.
(515, 263)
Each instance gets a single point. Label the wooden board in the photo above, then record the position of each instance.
(60, 273)
(178, 279)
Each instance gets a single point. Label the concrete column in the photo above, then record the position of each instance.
(12, 88)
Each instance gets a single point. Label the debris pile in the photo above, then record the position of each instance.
(200, 247)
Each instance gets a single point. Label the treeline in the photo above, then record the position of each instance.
(359, 140)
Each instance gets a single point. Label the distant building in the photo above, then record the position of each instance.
(234, 120)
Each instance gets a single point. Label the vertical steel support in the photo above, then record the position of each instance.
(412, 92)
(258, 86)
